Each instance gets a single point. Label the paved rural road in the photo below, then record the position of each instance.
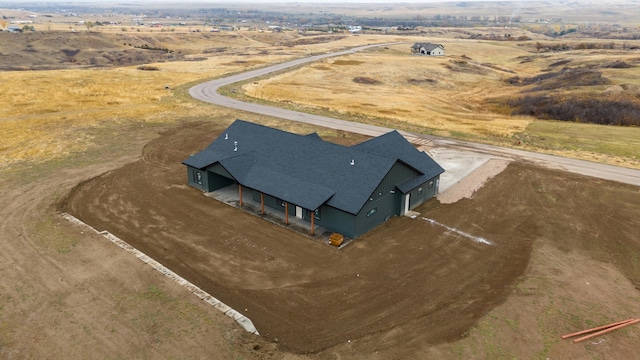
(208, 92)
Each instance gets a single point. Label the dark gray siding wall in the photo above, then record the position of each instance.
(218, 181)
(218, 177)
(388, 192)
(197, 178)
(335, 220)
(376, 212)
(213, 178)
(220, 170)
(424, 192)
(329, 218)
(272, 202)
(386, 200)
(399, 173)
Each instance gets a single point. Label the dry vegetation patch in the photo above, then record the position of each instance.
(465, 66)
(596, 111)
(572, 94)
(345, 62)
(564, 79)
(466, 96)
(422, 81)
(417, 91)
(51, 114)
(308, 40)
(366, 80)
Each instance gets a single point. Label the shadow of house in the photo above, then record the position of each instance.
(427, 49)
(347, 190)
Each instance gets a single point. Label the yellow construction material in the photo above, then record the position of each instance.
(336, 239)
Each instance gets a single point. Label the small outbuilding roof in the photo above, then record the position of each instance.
(307, 171)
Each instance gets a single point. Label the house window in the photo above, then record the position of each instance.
(316, 214)
(430, 184)
(420, 190)
(197, 177)
(372, 211)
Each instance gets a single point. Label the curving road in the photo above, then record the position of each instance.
(208, 92)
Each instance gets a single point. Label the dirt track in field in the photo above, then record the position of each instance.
(406, 282)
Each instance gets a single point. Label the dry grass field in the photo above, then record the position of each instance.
(66, 293)
(50, 114)
(463, 94)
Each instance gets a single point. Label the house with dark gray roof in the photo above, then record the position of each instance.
(427, 49)
(345, 189)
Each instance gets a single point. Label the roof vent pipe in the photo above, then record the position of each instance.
(353, 162)
(235, 146)
(226, 136)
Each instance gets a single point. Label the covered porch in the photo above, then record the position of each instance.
(241, 197)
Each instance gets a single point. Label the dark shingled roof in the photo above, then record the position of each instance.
(394, 145)
(306, 171)
(426, 46)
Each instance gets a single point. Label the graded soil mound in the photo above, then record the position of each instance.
(408, 283)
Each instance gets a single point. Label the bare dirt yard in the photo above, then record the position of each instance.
(564, 255)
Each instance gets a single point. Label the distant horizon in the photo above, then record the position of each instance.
(27, 3)
(116, 2)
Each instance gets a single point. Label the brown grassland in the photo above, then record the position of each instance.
(66, 293)
(462, 95)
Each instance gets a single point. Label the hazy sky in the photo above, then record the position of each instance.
(221, 2)
(217, 2)
(314, 1)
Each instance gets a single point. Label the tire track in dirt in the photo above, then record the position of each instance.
(62, 286)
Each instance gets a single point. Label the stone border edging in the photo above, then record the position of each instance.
(242, 320)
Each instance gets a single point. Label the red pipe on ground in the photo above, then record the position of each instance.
(596, 328)
(607, 330)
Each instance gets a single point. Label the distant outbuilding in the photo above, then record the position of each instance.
(348, 190)
(427, 49)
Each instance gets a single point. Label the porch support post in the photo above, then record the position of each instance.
(240, 193)
(262, 202)
(286, 213)
(313, 216)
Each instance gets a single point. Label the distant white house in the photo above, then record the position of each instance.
(428, 49)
